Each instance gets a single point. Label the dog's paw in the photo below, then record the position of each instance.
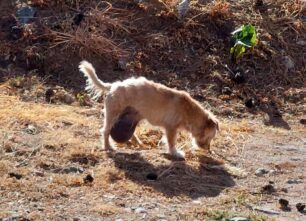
(179, 154)
(110, 148)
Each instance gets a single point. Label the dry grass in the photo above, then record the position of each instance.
(106, 209)
(220, 10)
(68, 136)
(96, 33)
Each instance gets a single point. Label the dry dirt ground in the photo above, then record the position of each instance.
(51, 163)
(47, 152)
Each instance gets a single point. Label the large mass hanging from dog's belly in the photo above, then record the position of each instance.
(124, 128)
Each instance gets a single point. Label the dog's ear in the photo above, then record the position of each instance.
(212, 122)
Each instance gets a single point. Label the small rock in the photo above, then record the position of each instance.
(239, 77)
(152, 176)
(31, 129)
(226, 90)
(261, 172)
(289, 64)
(294, 181)
(122, 65)
(16, 175)
(72, 169)
(140, 210)
(118, 219)
(259, 3)
(182, 8)
(196, 201)
(300, 207)
(302, 43)
(49, 94)
(250, 103)
(88, 179)
(268, 189)
(38, 173)
(285, 190)
(239, 219)
(67, 123)
(67, 99)
(272, 172)
(284, 204)
(16, 32)
(26, 14)
(303, 121)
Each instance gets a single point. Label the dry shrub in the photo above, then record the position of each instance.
(95, 34)
(294, 8)
(102, 18)
(220, 9)
(105, 176)
(86, 42)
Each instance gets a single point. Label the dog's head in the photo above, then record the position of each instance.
(207, 132)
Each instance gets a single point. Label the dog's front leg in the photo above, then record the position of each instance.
(136, 140)
(171, 138)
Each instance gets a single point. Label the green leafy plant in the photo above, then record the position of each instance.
(245, 37)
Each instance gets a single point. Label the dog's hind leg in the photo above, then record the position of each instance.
(171, 138)
(111, 112)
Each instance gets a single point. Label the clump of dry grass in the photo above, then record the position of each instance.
(220, 10)
(96, 33)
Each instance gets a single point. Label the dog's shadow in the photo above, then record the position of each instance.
(209, 179)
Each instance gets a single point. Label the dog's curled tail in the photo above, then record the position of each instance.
(93, 85)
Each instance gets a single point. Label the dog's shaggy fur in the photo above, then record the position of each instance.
(159, 105)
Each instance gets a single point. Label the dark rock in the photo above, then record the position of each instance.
(49, 94)
(16, 175)
(250, 103)
(300, 207)
(72, 169)
(294, 181)
(140, 210)
(238, 77)
(303, 121)
(31, 129)
(67, 98)
(152, 176)
(261, 172)
(268, 189)
(284, 204)
(26, 14)
(226, 90)
(285, 190)
(88, 179)
(259, 3)
(16, 32)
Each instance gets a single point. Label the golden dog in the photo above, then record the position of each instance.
(159, 105)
